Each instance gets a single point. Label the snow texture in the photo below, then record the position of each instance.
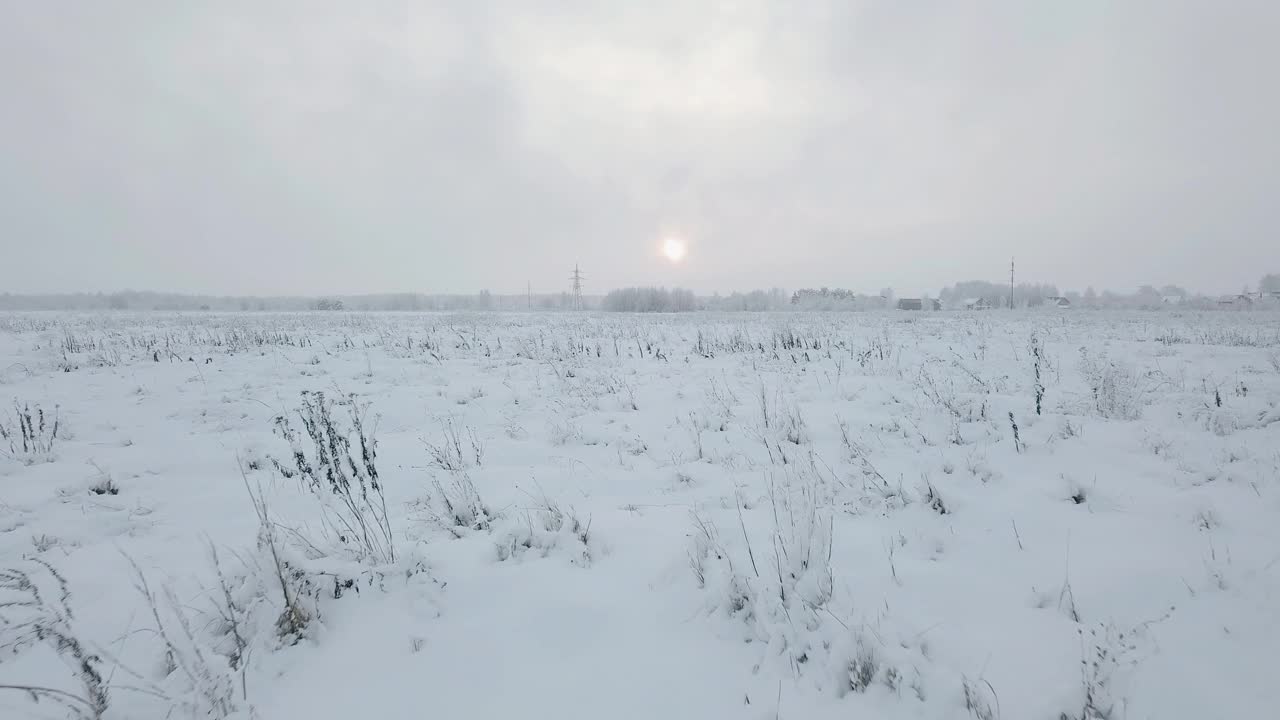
(330, 515)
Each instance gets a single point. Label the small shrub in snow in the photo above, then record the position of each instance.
(980, 699)
(978, 467)
(781, 426)
(563, 432)
(1206, 519)
(874, 483)
(458, 449)
(104, 485)
(1066, 429)
(44, 543)
(1113, 386)
(864, 667)
(30, 435)
(282, 583)
(348, 484)
(1104, 651)
(1037, 356)
(457, 506)
(292, 617)
(934, 500)
(942, 392)
(780, 593)
(723, 400)
(204, 684)
(549, 529)
(35, 610)
(801, 540)
(1223, 422)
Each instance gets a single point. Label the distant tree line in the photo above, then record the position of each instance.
(1146, 297)
(404, 302)
(827, 299)
(650, 299)
(754, 301)
(996, 295)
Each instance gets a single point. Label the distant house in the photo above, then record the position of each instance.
(1236, 301)
(977, 304)
(919, 304)
(1171, 299)
(1058, 302)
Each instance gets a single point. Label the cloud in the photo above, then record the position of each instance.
(338, 147)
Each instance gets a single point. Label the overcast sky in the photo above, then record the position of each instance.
(257, 146)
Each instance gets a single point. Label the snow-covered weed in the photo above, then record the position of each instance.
(942, 392)
(287, 575)
(103, 484)
(980, 699)
(457, 507)
(28, 436)
(1114, 387)
(347, 485)
(547, 529)
(782, 427)
(563, 431)
(1105, 651)
(35, 611)
(779, 585)
(802, 523)
(722, 399)
(458, 449)
(199, 681)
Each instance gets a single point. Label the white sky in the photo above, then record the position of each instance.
(338, 147)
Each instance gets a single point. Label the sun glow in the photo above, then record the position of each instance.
(674, 249)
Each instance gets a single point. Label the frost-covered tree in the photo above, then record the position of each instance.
(754, 301)
(995, 294)
(1148, 298)
(650, 299)
(827, 299)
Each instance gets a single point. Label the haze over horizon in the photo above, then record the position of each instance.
(290, 148)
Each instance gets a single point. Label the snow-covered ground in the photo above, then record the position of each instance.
(586, 516)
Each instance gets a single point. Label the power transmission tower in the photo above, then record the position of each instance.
(1010, 283)
(577, 278)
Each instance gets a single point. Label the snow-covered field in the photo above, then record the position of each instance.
(584, 516)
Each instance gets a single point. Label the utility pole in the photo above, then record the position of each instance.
(1010, 283)
(576, 277)
(529, 297)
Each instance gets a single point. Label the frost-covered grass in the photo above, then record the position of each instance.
(1000, 515)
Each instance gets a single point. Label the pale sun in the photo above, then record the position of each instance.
(674, 249)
